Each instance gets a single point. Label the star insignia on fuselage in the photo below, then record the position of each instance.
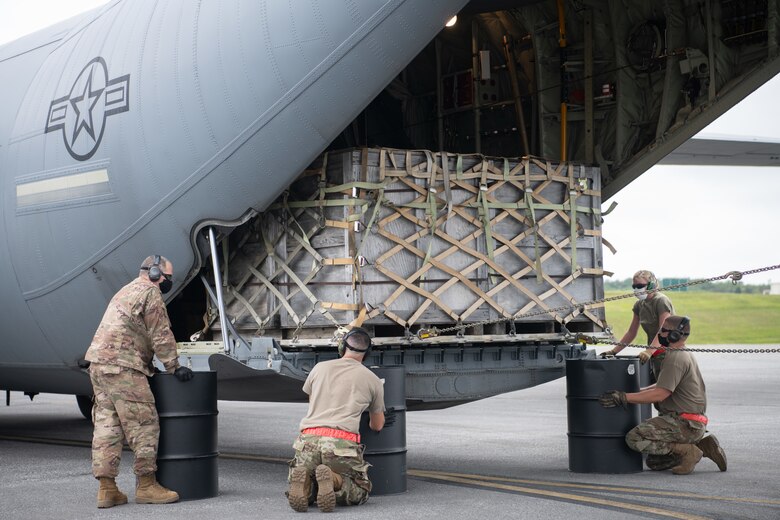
(88, 99)
(81, 115)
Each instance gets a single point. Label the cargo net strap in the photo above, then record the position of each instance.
(419, 237)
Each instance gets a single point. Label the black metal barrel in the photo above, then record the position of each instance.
(187, 454)
(597, 434)
(386, 450)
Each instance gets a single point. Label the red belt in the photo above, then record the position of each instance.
(332, 432)
(694, 417)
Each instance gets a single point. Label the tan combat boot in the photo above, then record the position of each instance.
(148, 491)
(328, 482)
(712, 450)
(300, 489)
(689, 455)
(108, 494)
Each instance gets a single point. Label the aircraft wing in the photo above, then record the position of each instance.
(716, 150)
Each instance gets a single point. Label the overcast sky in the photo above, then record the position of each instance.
(698, 222)
(676, 221)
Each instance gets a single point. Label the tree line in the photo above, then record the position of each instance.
(719, 287)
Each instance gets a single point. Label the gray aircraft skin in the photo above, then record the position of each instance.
(132, 129)
(126, 130)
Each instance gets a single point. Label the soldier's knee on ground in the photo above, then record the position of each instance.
(662, 462)
(353, 492)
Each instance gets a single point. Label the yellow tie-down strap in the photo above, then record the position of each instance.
(338, 261)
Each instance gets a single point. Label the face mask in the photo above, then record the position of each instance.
(664, 341)
(166, 285)
(640, 294)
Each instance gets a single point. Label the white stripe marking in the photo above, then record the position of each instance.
(61, 183)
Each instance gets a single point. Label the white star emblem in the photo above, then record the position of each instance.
(83, 106)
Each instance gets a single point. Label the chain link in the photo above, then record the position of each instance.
(735, 276)
(592, 340)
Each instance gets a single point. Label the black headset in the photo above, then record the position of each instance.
(343, 345)
(651, 280)
(155, 273)
(677, 334)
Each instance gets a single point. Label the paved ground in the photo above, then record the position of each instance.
(498, 458)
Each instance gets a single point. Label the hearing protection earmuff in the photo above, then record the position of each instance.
(652, 281)
(677, 334)
(343, 345)
(155, 273)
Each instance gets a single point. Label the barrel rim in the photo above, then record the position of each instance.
(189, 457)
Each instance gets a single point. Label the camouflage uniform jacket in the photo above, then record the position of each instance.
(134, 328)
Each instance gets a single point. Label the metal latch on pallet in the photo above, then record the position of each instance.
(199, 348)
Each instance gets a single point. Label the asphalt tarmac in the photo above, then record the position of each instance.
(502, 457)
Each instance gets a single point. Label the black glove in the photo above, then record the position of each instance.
(183, 374)
(613, 399)
(608, 353)
(389, 416)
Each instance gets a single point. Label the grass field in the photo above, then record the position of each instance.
(716, 318)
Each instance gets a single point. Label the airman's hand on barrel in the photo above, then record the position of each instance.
(183, 374)
(613, 399)
(645, 355)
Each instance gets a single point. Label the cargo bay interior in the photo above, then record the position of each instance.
(465, 202)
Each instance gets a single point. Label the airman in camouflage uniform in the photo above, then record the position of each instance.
(328, 461)
(134, 328)
(343, 457)
(675, 439)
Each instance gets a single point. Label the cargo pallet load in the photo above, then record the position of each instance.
(399, 242)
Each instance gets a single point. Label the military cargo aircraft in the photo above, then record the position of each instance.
(162, 127)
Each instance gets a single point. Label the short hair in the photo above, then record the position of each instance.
(359, 339)
(149, 261)
(647, 275)
(674, 321)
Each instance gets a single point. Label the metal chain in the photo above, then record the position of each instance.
(591, 340)
(425, 333)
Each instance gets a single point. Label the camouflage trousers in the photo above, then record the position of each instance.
(656, 436)
(123, 409)
(343, 457)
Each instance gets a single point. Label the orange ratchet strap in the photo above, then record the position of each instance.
(694, 417)
(332, 432)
